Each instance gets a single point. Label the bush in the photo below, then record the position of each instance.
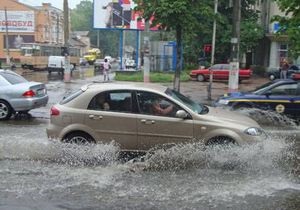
(138, 76)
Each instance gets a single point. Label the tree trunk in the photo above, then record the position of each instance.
(176, 84)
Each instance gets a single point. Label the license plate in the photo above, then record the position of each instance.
(41, 92)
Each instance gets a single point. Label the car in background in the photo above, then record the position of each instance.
(220, 72)
(281, 96)
(17, 95)
(129, 120)
(275, 73)
(83, 62)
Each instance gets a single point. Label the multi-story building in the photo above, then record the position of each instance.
(273, 48)
(21, 23)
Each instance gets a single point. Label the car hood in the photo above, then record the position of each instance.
(223, 115)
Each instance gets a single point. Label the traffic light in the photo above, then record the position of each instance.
(207, 48)
(64, 51)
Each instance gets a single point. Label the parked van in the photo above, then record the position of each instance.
(57, 64)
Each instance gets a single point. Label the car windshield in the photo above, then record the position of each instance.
(13, 78)
(197, 108)
(262, 88)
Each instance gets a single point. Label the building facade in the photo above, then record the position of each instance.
(273, 48)
(21, 23)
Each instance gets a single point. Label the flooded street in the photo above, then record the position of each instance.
(36, 173)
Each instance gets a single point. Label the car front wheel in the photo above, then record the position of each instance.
(221, 141)
(200, 77)
(272, 77)
(5, 110)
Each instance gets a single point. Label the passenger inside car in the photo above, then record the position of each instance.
(101, 104)
(159, 109)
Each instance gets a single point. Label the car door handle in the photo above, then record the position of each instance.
(95, 117)
(147, 121)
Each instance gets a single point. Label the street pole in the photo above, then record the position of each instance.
(6, 39)
(212, 51)
(233, 82)
(67, 72)
(146, 53)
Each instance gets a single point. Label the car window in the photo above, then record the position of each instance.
(13, 78)
(225, 67)
(148, 103)
(116, 101)
(286, 89)
(215, 67)
(197, 108)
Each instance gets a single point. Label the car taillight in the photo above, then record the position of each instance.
(29, 93)
(54, 111)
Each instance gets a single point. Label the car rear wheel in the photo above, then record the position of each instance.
(80, 138)
(200, 77)
(5, 110)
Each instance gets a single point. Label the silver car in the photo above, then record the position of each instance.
(141, 116)
(19, 95)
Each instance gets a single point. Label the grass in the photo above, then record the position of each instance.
(154, 76)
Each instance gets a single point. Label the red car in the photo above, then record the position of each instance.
(220, 72)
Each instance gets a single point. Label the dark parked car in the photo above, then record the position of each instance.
(19, 95)
(281, 96)
(275, 73)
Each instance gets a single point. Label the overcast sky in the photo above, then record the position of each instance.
(55, 3)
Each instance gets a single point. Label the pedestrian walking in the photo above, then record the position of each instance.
(284, 69)
(106, 67)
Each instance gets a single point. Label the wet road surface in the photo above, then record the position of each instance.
(36, 173)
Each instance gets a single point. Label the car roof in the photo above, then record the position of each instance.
(124, 86)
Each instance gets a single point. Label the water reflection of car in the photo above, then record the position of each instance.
(19, 95)
(220, 72)
(281, 96)
(131, 123)
(275, 73)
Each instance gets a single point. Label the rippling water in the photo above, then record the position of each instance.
(39, 174)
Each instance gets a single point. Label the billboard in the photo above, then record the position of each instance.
(15, 41)
(17, 21)
(117, 14)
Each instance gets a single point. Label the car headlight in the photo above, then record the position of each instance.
(254, 131)
(223, 101)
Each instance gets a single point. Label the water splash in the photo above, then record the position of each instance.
(57, 152)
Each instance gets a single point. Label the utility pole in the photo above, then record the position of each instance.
(6, 38)
(67, 72)
(233, 82)
(212, 51)
(57, 28)
(146, 53)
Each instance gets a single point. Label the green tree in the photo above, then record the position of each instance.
(177, 15)
(290, 24)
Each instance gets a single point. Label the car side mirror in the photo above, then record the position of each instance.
(182, 114)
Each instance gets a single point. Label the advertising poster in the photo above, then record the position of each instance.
(15, 41)
(17, 21)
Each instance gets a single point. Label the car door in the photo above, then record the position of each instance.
(284, 99)
(115, 121)
(217, 71)
(157, 129)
